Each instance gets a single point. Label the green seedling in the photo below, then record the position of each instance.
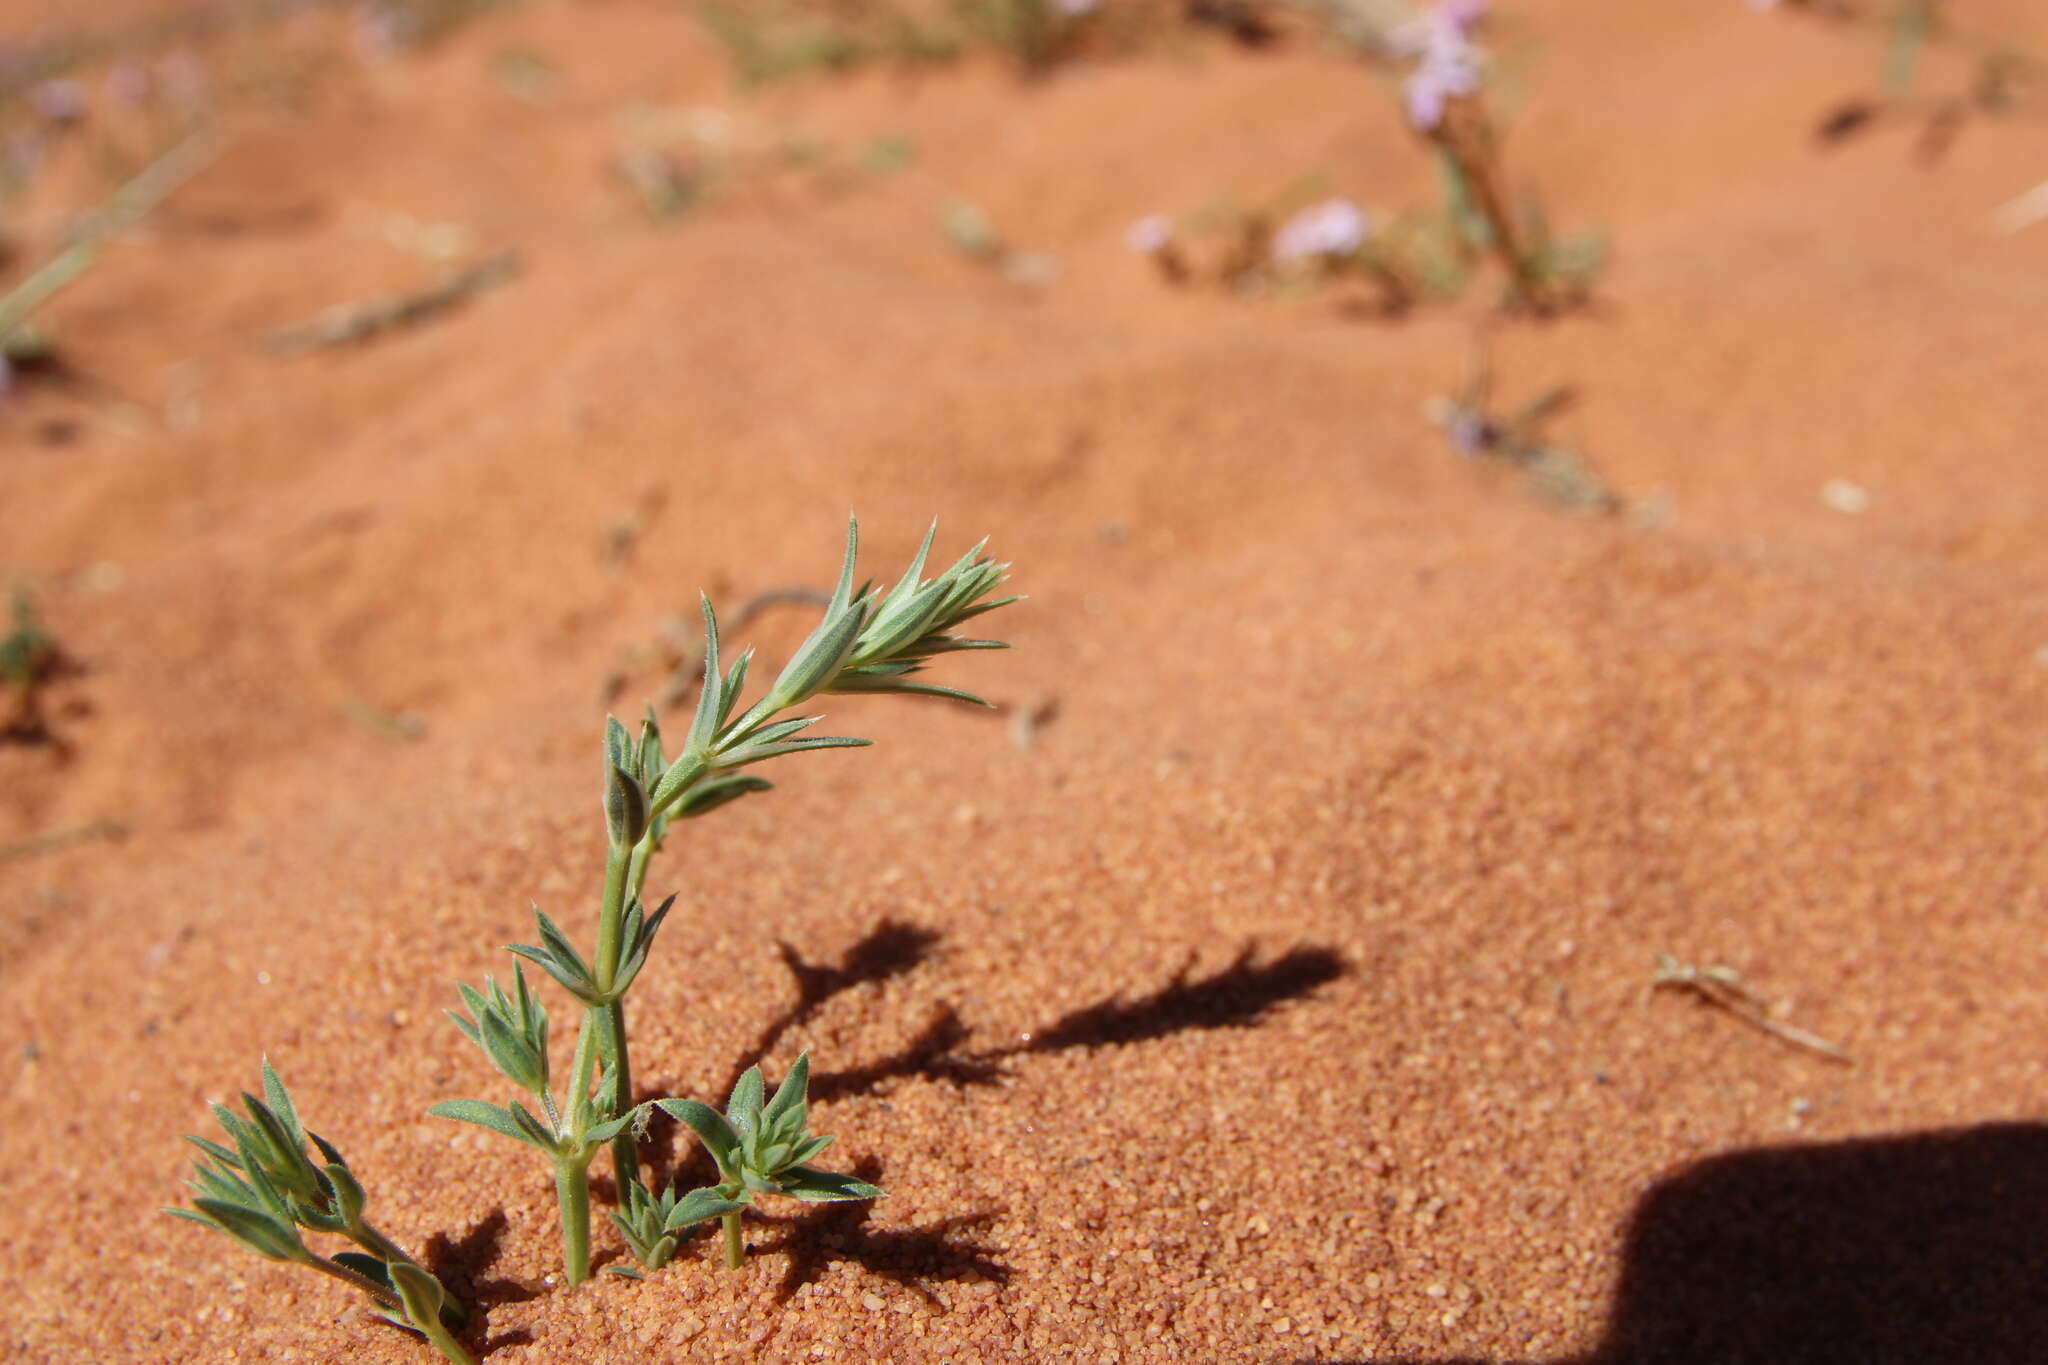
(760, 1149)
(1518, 439)
(869, 641)
(29, 659)
(265, 1191)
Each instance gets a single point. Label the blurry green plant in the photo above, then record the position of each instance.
(780, 39)
(2001, 74)
(1444, 95)
(28, 659)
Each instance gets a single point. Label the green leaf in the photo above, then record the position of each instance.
(216, 1151)
(735, 684)
(618, 748)
(468, 1029)
(267, 1236)
(223, 1185)
(720, 791)
(870, 682)
(700, 1206)
(820, 657)
(327, 1151)
(626, 810)
(809, 1148)
(907, 584)
(743, 1106)
(625, 1272)
(755, 753)
(569, 978)
(652, 763)
(346, 1194)
(369, 1267)
(712, 703)
(538, 1133)
(637, 947)
(610, 1128)
(690, 765)
(555, 941)
(239, 1129)
(486, 1116)
(420, 1292)
(710, 1127)
(280, 1101)
(264, 1178)
(814, 1186)
(981, 607)
(192, 1216)
(790, 1097)
(653, 925)
(843, 594)
(279, 1142)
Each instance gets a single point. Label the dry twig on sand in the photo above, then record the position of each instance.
(104, 828)
(1723, 987)
(349, 323)
(127, 206)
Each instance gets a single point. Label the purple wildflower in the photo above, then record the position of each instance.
(1464, 15)
(1150, 234)
(1470, 433)
(60, 101)
(1335, 227)
(1447, 61)
(380, 30)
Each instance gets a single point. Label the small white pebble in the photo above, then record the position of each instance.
(1845, 497)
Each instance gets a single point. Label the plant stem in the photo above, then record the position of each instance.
(366, 1236)
(624, 872)
(618, 1093)
(572, 1193)
(735, 1243)
(586, 1060)
(1468, 144)
(611, 916)
(446, 1344)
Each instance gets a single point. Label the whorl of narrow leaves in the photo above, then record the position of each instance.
(265, 1189)
(513, 1032)
(867, 641)
(269, 1179)
(760, 1148)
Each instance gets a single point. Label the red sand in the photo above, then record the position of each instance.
(1326, 696)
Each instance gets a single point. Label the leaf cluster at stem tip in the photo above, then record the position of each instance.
(867, 641)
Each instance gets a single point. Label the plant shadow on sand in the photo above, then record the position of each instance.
(459, 1263)
(1238, 995)
(1884, 1251)
(912, 1257)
